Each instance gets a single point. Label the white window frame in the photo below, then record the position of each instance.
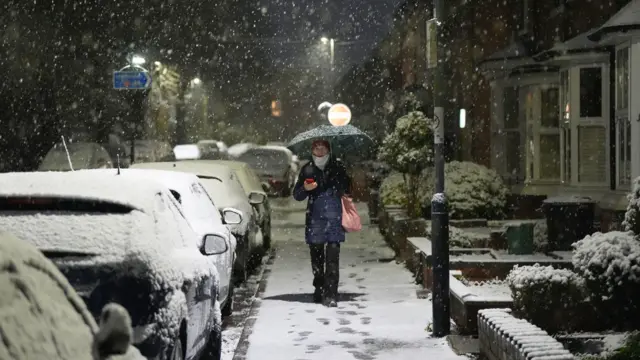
(535, 130)
(622, 120)
(575, 122)
(499, 133)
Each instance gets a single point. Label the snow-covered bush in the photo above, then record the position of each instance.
(540, 236)
(393, 190)
(409, 150)
(552, 299)
(610, 264)
(473, 190)
(632, 217)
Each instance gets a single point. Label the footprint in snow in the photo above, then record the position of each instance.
(324, 321)
(344, 322)
(365, 320)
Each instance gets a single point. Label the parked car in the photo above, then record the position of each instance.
(187, 152)
(275, 165)
(251, 183)
(212, 150)
(150, 151)
(62, 326)
(123, 239)
(238, 149)
(82, 155)
(204, 218)
(226, 191)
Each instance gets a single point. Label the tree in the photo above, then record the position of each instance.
(409, 150)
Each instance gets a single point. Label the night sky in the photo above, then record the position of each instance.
(357, 25)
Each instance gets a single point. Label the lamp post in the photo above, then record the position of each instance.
(439, 209)
(331, 42)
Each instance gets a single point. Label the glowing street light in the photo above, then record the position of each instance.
(196, 81)
(324, 39)
(138, 60)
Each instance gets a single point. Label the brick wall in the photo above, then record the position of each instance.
(504, 337)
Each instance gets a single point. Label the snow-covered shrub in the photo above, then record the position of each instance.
(540, 236)
(409, 150)
(610, 264)
(473, 190)
(632, 217)
(393, 190)
(552, 299)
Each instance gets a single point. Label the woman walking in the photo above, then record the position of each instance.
(324, 181)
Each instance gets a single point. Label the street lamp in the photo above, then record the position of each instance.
(324, 39)
(196, 81)
(138, 60)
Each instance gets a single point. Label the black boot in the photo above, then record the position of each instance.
(332, 275)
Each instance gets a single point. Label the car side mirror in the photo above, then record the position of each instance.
(231, 216)
(257, 198)
(214, 244)
(265, 186)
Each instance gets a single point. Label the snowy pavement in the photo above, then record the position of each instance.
(379, 315)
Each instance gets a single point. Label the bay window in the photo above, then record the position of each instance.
(623, 123)
(511, 129)
(543, 133)
(584, 116)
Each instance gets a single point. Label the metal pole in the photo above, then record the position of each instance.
(439, 208)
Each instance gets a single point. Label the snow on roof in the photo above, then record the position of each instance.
(627, 17)
(210, 168)
(99, 185)
(62, 328)
(276, 148)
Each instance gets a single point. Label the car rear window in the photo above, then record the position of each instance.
(60, 204)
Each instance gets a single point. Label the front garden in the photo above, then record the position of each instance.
(583, 293)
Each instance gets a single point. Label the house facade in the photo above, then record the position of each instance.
(561, 105)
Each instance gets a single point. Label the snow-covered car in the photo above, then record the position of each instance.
(238, 149)
(251, 183)
(82, 155)
(212, 149)
(222, 184)
(274, 165)
(63, 326)
(123, 239)
(204, 218)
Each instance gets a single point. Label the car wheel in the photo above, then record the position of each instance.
(175, 351)
(214, 346)
(227, 310)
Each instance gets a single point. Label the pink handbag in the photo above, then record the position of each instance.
(350, 218)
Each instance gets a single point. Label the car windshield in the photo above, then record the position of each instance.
(264, 159)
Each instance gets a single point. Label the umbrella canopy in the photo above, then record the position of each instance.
(345, 140)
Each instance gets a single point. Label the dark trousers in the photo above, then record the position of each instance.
(325, 264)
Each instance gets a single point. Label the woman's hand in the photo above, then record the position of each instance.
(310, 186)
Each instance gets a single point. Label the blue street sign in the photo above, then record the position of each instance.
(131, 80)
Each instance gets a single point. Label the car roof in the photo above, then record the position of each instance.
(209, 168)
(235, 165)
(95, 184)
(275, 148)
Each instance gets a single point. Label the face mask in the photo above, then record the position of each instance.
(321, 161)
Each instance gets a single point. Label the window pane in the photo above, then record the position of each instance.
(549, 156)
(550, 108)
(622, 78)
(627, 146)
(513, 153)
(622, 151)
(566, 154)
(511, 107)
(564, 87)
(592, 158)
(590, 92)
